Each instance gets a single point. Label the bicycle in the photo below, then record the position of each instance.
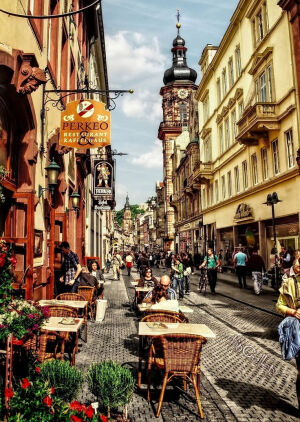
(203, 280)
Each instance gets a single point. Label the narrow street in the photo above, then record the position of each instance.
(243, 376)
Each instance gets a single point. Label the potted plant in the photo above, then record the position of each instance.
(112, 384)
(66, 379)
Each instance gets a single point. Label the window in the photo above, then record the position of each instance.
(238, 66)
(183, 114)
(230, 72)
(218, 90)
(224, 82)
(211, 194)
(289, 148)
(233, 123)
(227, 133)
(254, 169)
(245, 174)
(275, 153)
(237, 179)
(229, 184)
(206, 108)
(264, 163)
(221, 138)
(264, 84)
(217, 191)
(241, 108)
(52, 51)
(223, 188)
(260, 24)
(207, 149)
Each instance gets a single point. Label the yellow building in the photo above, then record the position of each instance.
(248, 138)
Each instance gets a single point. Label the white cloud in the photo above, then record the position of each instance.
(121, 192)
(135, 61)
(152, 158)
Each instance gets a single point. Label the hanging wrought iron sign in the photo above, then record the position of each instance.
(103, 179)
(85, 124)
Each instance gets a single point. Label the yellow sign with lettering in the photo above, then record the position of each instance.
(85, 124)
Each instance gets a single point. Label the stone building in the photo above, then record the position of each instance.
(38, 55)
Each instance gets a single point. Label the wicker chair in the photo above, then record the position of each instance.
(179, 315)
(88, 293)
(180, 358)
(52, 343)
(148, 344)
(80, 313)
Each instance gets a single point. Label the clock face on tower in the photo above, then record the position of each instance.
(182, 93)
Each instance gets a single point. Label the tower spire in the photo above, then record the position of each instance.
(178, 24)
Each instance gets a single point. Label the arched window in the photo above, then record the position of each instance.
(183, 113)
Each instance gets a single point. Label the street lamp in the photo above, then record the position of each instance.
(52, 172)
(272, 199)
(75, 197)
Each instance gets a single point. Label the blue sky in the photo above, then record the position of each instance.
(139, 35)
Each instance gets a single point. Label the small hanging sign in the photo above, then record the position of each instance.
(85, 124)
(103, 179)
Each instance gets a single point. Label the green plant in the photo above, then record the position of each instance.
(111, 383)
(66, 379)
(21, 318)
(7, 263)
(3, 175)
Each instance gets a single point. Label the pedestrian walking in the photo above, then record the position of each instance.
(108, 262)
(240, 259)
(288, 304)
(187, 271)
(212, 262)
(71, 268)
(257, 267)
(129, 263)
(116, 263)
(178, 277)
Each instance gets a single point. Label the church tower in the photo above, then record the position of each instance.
(179, 83)
(127, 221)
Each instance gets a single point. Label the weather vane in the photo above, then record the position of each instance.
(178, 24)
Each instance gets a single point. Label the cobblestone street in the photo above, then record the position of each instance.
(243, 375)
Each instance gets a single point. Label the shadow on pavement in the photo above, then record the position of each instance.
(246, 395)
(269, 334)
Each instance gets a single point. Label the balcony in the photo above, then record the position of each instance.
(256, 123)
(203, 173)
(174, 199)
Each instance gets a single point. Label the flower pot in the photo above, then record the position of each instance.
(17, 341)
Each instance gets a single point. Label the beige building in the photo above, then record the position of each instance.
(248, 138)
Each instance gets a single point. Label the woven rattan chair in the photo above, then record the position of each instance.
(80, 313)
(179, 315)
(88, 293)
(180, 358)
(52, 343)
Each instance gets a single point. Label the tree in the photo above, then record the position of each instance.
(135, 209)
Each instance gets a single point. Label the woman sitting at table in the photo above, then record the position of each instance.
(160, 300)
(147, 280)
(98, 273)
(87, 279)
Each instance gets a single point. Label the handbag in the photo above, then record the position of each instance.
(220, 269)
(265, 278)
(187, 271)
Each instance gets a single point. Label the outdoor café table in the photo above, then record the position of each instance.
(54, 324)
(172, 328)
(134, 283)
(143, 307)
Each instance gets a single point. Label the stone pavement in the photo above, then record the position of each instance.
(243, 375)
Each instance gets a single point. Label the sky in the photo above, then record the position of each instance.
(138, 38)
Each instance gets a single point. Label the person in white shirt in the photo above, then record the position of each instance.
(129, 263)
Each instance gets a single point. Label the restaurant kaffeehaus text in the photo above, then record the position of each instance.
(237, 141)
(36, 55)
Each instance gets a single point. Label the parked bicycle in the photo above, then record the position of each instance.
(203, 280)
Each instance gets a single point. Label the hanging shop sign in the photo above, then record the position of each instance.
(85, 124)
(243, 212)
(103, 180)
(102, 204)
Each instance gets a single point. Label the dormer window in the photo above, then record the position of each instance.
(260, 24)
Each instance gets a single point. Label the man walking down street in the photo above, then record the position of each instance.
(117, 263)
(71, 268)
(257, 267)
(240, 260)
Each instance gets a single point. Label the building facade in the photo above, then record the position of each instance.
(35, 56)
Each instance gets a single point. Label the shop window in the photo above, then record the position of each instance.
(264, 163)
(254, 169)
(275, 154)
(238, 65)
(289, 148)
(237, 179)
(245, 174)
